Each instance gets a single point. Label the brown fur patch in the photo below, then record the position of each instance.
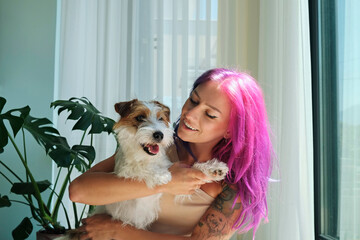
(132, 111)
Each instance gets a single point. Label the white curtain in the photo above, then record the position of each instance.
(349, 118)
(116, 50)
(281, 63)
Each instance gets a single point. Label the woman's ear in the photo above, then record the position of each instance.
(227, 135)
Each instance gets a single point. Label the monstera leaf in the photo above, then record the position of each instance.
(4, 201)
(23, 230)
(82, 156)
(16, 122)
(44, 133)
(28, 187)
(85, 114)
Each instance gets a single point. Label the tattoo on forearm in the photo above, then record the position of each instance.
(223, 203)
(217, 221)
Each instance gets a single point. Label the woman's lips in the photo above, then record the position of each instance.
(188, 126)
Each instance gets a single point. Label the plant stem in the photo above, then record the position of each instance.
(1, 173)
(61, 194)
(25, 157)
(82, 138)
(30, 203)
(74, 204)
(36, 188)
(13, 173)
(20, 202)
(81, 216)
(53, 189)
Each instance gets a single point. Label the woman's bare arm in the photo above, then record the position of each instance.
(218, 221)
(215, 224)
(99, 185)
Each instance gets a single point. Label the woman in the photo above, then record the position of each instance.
(224, 117)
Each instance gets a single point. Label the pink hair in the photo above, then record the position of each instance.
(248, 152)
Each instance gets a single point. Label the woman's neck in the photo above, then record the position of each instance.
(200, 152)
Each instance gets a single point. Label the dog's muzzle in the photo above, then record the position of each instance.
(151, 149)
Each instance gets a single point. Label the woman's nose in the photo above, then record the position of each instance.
(192, 113)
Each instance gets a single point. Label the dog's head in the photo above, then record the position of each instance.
(146, 123)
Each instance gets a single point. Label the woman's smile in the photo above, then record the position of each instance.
(188, 126)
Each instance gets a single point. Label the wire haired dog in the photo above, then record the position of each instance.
(143, 134)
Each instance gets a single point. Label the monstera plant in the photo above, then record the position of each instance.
(16, 123)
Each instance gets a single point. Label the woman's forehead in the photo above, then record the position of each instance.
(211, 93)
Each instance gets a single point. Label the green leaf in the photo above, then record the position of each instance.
(109, 125)
(28, 188)
(76, 112)
(3, 136)
(16, 122)
(44, 133)
(85, 115)
(84, 122)
(84, 156)
(23, 230)
(97, 126)
(62, 156)
(2, 103)
(4, 201)
(86, 151)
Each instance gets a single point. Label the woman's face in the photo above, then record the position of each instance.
(205, 115)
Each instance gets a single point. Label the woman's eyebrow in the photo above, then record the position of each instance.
(210, 106)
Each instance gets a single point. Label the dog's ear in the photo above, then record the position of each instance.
(123, 108)
(165, 109)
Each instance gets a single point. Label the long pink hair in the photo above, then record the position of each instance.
(248, 152)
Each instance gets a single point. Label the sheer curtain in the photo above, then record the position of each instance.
(282, 66)
(349, 118)
(116, 50)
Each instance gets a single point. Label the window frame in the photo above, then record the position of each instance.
(325, 113)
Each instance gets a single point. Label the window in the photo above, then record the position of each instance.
(336, 95)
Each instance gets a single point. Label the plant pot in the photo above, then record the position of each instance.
(42, 235)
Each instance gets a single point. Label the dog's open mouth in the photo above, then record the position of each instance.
(151, 149)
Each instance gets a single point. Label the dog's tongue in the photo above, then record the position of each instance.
(154, 149)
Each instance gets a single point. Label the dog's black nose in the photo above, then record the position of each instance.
(158, 136)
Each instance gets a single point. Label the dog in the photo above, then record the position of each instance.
(143, 134)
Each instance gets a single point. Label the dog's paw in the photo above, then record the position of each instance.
(213, 168)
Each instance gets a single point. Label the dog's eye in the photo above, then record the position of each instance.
(161, 119)
(140, 118)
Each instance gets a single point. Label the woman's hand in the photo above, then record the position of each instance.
(184, 180)
(100, 227)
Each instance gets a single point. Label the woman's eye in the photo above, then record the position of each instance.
(140, 118)
(192, 101)
(210, 116)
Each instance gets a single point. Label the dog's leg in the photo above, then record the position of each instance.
(213, 168)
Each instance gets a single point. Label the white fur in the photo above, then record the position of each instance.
(131, 161)
(214, 169)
